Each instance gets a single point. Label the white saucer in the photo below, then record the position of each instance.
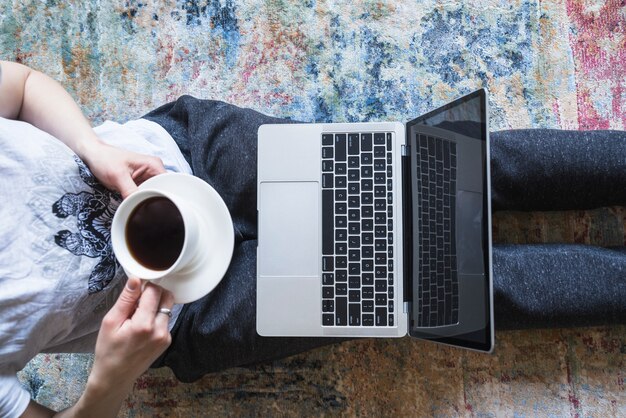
(218, 236)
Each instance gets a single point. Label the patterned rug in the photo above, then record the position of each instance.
(556, 64)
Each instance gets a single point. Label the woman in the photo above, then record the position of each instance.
(61, 182)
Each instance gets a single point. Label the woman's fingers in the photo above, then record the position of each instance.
(149, 304)
(162, 319)
(126, 303)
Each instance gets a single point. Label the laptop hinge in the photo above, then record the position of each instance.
(407, 224)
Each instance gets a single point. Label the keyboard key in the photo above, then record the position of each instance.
(328, 319)
(381, 299)
(381, 317)
(355, 314)
(368, 320)
(327, 165)
(354, 228)
(367, 292)
(328, 305)
(327, 152)
(328, 279)
(380, 272)
(327, 139)
(341, 289)
(341, 311)
(367, 279)
(327, 222)
(354, 268)
(340, 147)
(328, 292)
(328, 263)
(341, 168)
(353, 144)
(354, 188)
(354, 241)
(354, 255)
(341, 262)
(366, 142)
(379, 138)
(354, 282)
(367, 265)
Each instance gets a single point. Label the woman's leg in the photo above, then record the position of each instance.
(558, 285)
(545, 169)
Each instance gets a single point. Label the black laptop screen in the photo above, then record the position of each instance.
(450, 252)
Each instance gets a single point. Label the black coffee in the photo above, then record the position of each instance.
(155, 233)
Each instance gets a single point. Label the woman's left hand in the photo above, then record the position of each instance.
(118, 169)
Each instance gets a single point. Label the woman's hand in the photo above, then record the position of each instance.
(132, 336)
(118, 169)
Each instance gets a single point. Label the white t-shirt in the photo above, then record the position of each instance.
(58, 274)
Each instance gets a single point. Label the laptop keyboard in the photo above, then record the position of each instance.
(357, 230)
(438, 289)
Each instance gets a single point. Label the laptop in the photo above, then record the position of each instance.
(378, 229)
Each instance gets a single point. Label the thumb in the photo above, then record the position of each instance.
(127, 301)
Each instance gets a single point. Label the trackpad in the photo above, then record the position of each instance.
(289, 229)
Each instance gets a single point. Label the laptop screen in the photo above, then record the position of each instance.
(450, 255)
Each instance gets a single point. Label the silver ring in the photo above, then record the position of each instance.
(165, 311)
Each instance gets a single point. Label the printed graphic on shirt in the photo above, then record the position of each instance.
(94, 214)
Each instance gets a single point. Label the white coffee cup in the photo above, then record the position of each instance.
(192, 251)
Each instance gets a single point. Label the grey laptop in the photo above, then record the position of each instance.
(378, 229)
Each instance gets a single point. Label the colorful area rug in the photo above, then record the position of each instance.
(556, 64)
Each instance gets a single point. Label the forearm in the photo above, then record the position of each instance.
(48, 106)
(33, 97)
